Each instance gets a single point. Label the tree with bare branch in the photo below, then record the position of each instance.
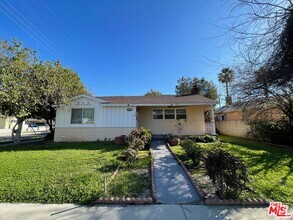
(264, 35)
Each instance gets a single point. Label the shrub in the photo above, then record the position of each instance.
(271, 131)
(142, 133)
(136, 144)
(227, 172)
(146, 135)
(129, 155)
(193, 151)
(203, 138)
(209, 138)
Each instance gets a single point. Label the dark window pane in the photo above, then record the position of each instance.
(88, 116)
(169, 114)
(157, 114)
(181, 114)
(76, 116)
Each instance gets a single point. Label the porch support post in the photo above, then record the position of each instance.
(213, 125)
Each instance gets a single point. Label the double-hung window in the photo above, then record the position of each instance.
(82, 116)
(158, 114)
(181, 114)
(169, 114)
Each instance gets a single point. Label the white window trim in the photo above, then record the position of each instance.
(82, 124)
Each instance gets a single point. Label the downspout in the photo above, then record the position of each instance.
(213, 125)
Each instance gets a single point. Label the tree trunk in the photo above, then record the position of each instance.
(50, 123)
(227, 90)
(16, 131)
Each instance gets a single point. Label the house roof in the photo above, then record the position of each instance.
(228, 108)
(158, 100)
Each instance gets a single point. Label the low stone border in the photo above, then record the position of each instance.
(245, 202)
(217, 201)
(197, 188)
(125, 200)
(154, 192)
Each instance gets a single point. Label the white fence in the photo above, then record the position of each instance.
(210, 127)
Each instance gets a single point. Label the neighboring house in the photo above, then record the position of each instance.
(229, 121)
(86, 118)
(8, 122)
(3, 122)
(228, 113)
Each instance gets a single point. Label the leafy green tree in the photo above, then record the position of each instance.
(17, 97)
(207, 89)
(30, 88)
(55, 85)
(153, 92)
(184, 86)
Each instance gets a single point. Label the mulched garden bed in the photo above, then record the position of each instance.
(206, 188)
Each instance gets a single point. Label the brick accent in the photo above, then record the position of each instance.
(236, 202)
(125, 200)
(154, 192)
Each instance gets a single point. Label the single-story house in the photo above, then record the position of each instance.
(229, 121)
(228, 113)
(87, 118)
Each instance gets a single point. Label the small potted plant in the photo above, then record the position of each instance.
(173, 140)
(120, 140)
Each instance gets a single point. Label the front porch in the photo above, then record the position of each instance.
(183, 120)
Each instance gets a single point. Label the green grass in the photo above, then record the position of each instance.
(270, 168)
(58, 172)
(130, 181)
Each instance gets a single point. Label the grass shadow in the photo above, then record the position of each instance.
(106, 146)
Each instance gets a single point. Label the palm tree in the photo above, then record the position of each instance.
(226, 76)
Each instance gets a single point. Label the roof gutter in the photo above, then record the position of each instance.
(167, 105)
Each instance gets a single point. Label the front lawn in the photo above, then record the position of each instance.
(135, 180)
(65, 172)
(269, 167)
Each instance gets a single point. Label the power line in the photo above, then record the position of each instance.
(37, 37)
(6, 33)
(63, 27)
(27, 31)
(34, 29)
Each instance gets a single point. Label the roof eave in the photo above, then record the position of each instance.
(168, 104)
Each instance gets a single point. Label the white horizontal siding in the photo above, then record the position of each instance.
(104, 116)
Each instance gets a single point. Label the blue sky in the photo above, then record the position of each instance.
(123, 47)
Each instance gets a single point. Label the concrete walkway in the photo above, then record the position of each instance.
(171, 182)
(142, 212)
